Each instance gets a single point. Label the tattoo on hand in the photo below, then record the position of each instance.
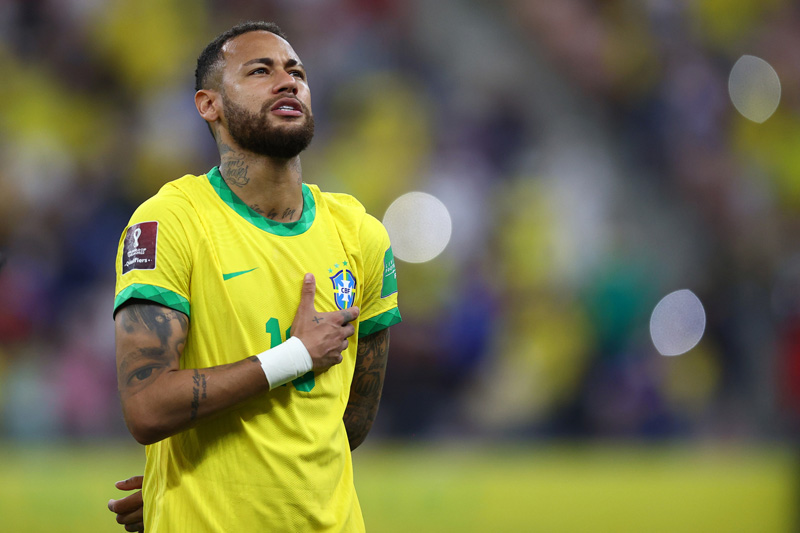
(318, 319)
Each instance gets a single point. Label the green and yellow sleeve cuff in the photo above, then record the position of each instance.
(155, 294)
(379, 322)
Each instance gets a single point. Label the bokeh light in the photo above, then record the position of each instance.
(677, 323)
(419, 227)
(755, 88)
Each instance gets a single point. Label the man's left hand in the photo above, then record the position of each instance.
(130, 508)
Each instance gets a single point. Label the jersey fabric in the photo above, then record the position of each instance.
(281, 460)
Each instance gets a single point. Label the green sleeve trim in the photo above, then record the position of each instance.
(377, 323)
(155, 294)
(389, 285)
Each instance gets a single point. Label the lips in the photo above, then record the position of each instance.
(287, 107)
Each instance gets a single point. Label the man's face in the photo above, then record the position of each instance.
(265, 96)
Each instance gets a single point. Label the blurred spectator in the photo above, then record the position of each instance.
(587, 151)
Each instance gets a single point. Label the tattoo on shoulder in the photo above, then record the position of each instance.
(159, 333)
(153, 318)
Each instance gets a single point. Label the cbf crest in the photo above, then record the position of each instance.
(344, 288)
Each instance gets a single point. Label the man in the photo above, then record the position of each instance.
(219, 267)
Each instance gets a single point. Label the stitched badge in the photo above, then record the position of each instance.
(139, 249)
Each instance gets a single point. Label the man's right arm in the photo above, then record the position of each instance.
(159, 399)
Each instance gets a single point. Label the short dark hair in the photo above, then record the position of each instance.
(211, 57)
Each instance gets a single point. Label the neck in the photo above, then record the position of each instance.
(271, 187)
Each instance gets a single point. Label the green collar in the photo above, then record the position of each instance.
(256, 219)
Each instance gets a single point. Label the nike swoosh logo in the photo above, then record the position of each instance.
(226, 277)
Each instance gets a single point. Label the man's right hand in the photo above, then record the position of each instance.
(323, 334)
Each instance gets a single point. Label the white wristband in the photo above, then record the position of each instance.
(285, 362)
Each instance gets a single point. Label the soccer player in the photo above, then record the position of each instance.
(252, 315)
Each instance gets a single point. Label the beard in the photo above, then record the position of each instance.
(254, 132)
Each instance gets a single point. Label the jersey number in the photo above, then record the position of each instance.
(305, 382)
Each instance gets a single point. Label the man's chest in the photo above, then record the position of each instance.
(254, 278)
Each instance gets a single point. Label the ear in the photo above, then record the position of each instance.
(208, 104)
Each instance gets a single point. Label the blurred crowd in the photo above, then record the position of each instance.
(588, 153)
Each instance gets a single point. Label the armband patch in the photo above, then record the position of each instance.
(389, 286)
(139, 249)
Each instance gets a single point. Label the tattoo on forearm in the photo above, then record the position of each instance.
(365, 392)
(199, 382)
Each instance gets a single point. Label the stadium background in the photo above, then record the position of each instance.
(591, 161)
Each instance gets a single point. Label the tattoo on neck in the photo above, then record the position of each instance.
(234, 168)
(224, 149)
(273, 214)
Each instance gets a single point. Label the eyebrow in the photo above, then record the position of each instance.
(270, 62)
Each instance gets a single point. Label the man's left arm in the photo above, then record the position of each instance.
(365, 392)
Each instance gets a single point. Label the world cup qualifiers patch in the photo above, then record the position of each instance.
(139, 248)
(389, 285)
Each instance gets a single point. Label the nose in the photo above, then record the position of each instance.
(286, 83)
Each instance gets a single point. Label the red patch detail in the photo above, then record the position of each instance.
(139, 250)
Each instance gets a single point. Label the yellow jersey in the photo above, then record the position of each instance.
(279, 461)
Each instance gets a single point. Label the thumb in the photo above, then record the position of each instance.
(307, 294)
